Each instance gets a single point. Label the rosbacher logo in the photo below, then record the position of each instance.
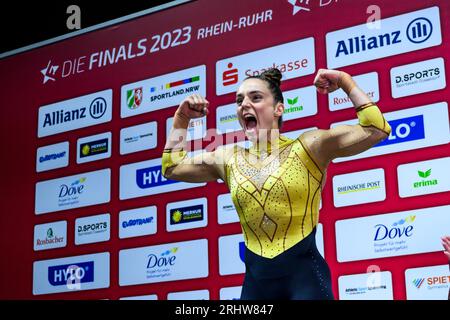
(404, 33)
(75, 113)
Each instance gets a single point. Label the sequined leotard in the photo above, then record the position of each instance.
(277, 199)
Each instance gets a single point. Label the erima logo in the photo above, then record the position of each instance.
(419, 30)
(71, 273)
(96, 110)
(406, 129)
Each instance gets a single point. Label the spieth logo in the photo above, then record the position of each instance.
(418, 282)
(164, 260)
(397, 231)
(49, 72)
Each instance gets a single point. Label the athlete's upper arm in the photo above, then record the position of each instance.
(203, 167)
(341, 141)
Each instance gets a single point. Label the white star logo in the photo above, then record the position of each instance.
(296, 8)
(49, 70)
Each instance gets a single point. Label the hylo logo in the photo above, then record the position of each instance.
(164, 260)
(231, 76)
(398, 230)
(71, 273)
(151, 177)
(406, 129)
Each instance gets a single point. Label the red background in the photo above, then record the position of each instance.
(23, 93)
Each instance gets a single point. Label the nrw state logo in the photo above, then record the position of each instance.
(134, 98)
(49, 72)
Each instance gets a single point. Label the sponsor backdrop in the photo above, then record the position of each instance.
(86, 213)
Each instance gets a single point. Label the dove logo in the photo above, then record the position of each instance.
(74, 189)
(164, 260)
(399, 230)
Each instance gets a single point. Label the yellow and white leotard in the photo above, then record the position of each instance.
(277, 198)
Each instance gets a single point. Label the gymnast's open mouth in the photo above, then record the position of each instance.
(250, 122)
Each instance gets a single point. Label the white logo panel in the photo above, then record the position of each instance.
(138, 222)
(67, 115)
(392, 234)
(70, 274)
(428, 283)
(366, 286)
(165, 262)
(412, 129)
(94, 147)
(145, 178)
(403, 33)
(189, 295)
(52, 157)
(419, 77)
(231, 254)
(359, 187)
(424, 177)
(294, 59)
(92, 229)
(189, 214)
(50, 235)
(368, 83)
(226, 210)
(162, 92)
(138, 138)
(81, 190)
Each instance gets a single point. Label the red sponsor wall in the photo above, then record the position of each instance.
(24, 92)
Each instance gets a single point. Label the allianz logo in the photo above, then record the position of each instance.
(418, 31)
(96, 110)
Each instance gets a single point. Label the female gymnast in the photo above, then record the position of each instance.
(276, 184)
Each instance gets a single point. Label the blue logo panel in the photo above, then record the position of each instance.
(71, 273)
(406, 129)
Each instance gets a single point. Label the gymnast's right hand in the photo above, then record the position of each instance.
(194, 106)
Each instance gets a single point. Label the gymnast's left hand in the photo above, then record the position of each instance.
(327, 81)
